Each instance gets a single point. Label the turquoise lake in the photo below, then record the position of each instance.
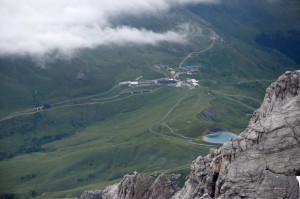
(219, 138)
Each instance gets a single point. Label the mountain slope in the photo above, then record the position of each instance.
(263, 24)
(94, 126)
(262, 162)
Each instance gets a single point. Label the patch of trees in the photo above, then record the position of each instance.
(36, 143)
(28, 177)
(90, 177)
(8, 196)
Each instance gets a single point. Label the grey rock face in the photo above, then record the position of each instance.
(264, 160)
(141, 186)
(95, 194)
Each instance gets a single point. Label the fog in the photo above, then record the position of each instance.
(37, 28)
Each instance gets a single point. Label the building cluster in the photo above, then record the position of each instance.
(191, 83)
(188, 83)
(190, 70)
(173, 79)
(156, 82)
(175, 73)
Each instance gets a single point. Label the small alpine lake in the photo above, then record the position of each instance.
(219, 138)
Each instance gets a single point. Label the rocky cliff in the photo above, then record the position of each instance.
(262, 162)
(139, 186)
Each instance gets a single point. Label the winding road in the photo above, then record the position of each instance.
(161, 120)
(187, 139)
(164, 117)
(167, 114)
(61, 104)
(198, 52)
(93, 99)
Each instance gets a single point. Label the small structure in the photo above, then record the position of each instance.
(127, 83)
(194, 83)
(39, 108)
(192, 71)
(45, 106)
(166, 81)
(155, 82)
(81, 75)
(135, 83)
(147, 83)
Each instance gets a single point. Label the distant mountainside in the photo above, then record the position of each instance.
(262, 162)
(94, 131)
(270, 24)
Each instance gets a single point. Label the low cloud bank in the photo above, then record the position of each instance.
(36, 28)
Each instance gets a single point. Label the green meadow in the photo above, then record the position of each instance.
(96, 131)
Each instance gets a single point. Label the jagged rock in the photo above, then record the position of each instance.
(141, 186)
(94, 194)
(135, 186)
(111, 192)
(264, 160)
(164, 187)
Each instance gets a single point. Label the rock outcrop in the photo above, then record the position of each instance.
(94, 194)
(262, 162)
(141, 186)
(138, 186)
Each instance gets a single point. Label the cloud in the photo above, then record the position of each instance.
(36, 28)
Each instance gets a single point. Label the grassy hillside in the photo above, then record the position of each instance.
(262, 24)
(94, 133)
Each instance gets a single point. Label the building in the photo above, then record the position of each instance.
(135, 83)
(192, 83)
(45, 106)
(127, 83)
(166, 81)
(40, 108)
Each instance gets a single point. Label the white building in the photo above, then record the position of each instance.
(193, 82)
(124, 83)
(135, 83)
